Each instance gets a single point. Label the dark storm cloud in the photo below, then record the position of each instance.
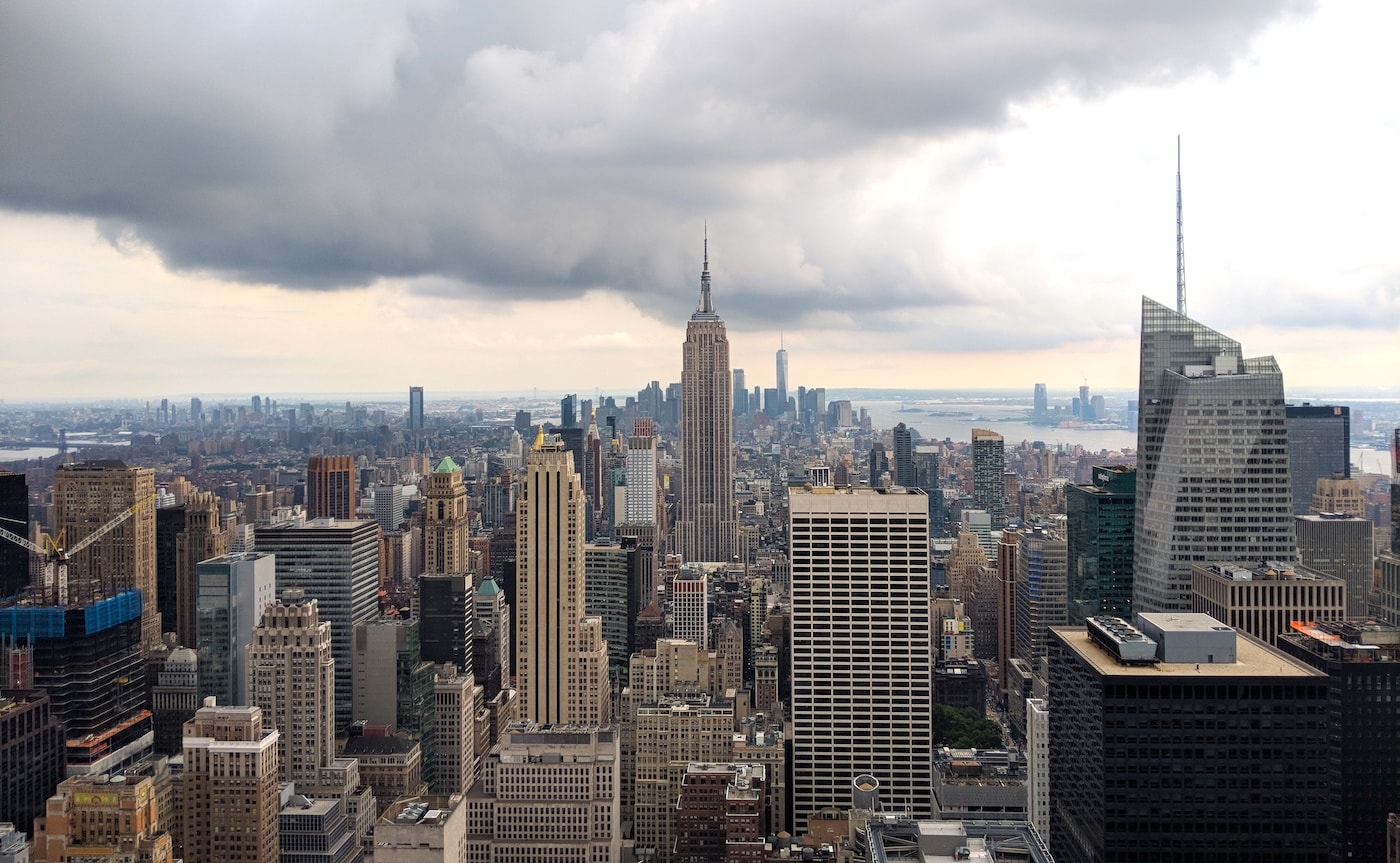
(536, 150)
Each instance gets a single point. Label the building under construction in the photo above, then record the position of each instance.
(87, 656)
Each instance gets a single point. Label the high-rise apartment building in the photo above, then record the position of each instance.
(1157, 742)
(641, 474)
(1319, 447)
(87, 495)
(721, 813)
(1100, 536)
(861, 678)
(1041, 563)
(336, 563)
(455, 758)
(233, 590)
(330, 486)
(445, 520)
(671, 734)
(1212, 466)
(561, 657)
(1341, 546)
(708, 526)
(689, 604)
(229, 793)
(415, 408)
(988, 471)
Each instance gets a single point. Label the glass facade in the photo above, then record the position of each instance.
(1319, 447)
(1100, 534)
(1213, 480)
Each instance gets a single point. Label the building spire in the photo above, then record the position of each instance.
(1180, 240)
(706, 306)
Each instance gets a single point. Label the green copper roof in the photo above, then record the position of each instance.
(489, 587)
(447, 465)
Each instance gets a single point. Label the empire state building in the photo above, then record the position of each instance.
(708, 527)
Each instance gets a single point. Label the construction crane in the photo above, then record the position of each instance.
(56, 555)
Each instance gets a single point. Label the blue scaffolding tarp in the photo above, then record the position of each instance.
(109, 612)
(26, 622)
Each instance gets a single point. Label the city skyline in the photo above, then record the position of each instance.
(897, 240)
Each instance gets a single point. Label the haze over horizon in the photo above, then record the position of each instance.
(214, 199)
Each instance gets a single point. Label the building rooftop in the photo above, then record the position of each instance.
(1272, 570)
(891, 838)
(1252, 659)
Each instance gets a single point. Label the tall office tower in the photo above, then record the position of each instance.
(641, 479)
(671, 733)
(1342, 546)
(926, 462)
(861, 683)
(317, 831)
(1155, 734)
(415, 408)
(690, 595)
(196, 411)
(175, 698)
(87, 656)
(170, 525)
(1362, 663)
(782, 379)
(229, 794)
(879, 466)
(1395, 495)
(455, 756)
(14, 517)
(31, 755)
(609, 575)
(491, 639)
(741, 393)
(1041, 400)
(292, 677)
(964, 558)
(568, 411)
(336, 563)
(102, 818)
(1086, 411)
(1040, 591)
(592, 474)
(547, 793)
(988, 470)
(1338, 494)
(445, 520)
(1038, 767)
(445, 610)
(1100, 535)
(202, 538)
(560, 654)
(1008, 548)
(388, 506)
(905, 471)
(1319, 447)
(1212, 449)
(330, 486)
(88, 495)
(1263, 599)
(708, 527)
(233, 591)
(394, 684)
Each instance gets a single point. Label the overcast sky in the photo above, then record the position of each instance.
(319, 196)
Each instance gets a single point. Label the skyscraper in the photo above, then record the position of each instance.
(561, 655)
(861, 678)
(1040, 592)
(445, 612)
(782, 377)
(336, 563)
(233, 590)
(708, 527)
(88, 495)
(415, 408)
(330, 486)
(1041, 411)
(988, 474)
(1319, 447)
(202, 537)
(230, 786)
(445, 524)
(641, 474)
(741, 393)
(1100, 535)
(14, 517)
(905, 472)
(1212, 459)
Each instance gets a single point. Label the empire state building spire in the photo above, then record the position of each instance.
(706, 310)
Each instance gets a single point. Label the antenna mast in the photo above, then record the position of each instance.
(1180, 240)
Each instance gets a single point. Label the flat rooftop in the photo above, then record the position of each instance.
(1252, 659)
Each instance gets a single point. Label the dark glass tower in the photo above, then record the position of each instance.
(988, 474)
(14, 517)
(1100, 533)
(445, 614)
(1213, 478)
(1319, 447)
(905, 473)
